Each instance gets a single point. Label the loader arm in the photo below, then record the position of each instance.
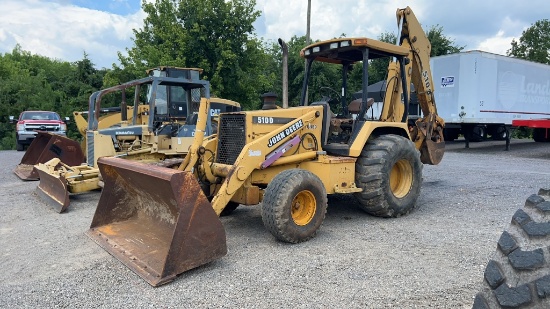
(192, 156)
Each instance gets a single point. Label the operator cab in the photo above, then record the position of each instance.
(174, 101)
(340, 128)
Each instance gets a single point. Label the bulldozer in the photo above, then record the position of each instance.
(47, 146)
(158, 132)
(162, 222)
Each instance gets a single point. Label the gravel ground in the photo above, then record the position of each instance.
(431, 258)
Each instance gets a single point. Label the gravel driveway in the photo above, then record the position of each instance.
(431, 258)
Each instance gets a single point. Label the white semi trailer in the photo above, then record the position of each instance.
(479, 94)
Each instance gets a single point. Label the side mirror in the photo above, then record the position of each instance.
(12, 119)
(67, 120)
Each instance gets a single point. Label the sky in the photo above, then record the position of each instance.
(66, 29)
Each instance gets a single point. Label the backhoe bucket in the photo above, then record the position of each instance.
(432, 152)
(155, 220)
(53, 189)
(45, 147)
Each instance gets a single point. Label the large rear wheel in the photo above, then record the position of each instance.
(294, 205)
(389, 171)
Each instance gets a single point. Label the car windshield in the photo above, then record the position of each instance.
(40, 116)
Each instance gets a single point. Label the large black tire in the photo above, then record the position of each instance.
(294, 205)
(389, 171)
(478, 134)
(501, 133)
(518, 275)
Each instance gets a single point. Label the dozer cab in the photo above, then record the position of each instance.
(159, 132)
(161, 222)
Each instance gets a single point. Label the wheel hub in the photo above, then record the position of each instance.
(401, 178)
(303, 207)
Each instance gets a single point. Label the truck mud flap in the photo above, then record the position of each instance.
(45, 147)
(155, 220)
(52, 189)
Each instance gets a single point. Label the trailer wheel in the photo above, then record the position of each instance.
(518, 275)
(294, 205)
(501, 133)
(478, 134)
(389, 171)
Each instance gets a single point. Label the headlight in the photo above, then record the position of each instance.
(20, 127)
(316, 49)
(63, 127)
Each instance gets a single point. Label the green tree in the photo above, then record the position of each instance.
(441, 44)
(215, 35)
(322, 74)
(34, 82)
(534, 43)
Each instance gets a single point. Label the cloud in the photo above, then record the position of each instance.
(64, 31)
(472, 23)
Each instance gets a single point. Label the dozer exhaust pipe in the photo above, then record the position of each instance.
(157, 221)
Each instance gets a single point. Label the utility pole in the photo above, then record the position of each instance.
(307, 40)
(308, 21)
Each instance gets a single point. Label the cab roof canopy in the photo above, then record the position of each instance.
(349, 50)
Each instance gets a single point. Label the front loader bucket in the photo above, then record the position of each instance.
(45, 147)
(155, 220)
(53, 189)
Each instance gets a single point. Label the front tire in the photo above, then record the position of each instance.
(19, 147)
(389, 171)
(294, 205)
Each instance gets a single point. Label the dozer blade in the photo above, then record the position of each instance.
(155, 220)
(432, 152)
(53, 189)
(45, 147)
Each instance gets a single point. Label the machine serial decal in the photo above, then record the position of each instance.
(286, 132)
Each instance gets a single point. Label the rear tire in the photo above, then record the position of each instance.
(518, 275)
(389, 171)
(501, 133)
(294, 205)
(479, 134)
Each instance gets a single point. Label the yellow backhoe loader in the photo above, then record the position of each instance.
(161, 222)
(159, 132)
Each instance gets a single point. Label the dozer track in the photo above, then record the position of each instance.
(155, 220)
